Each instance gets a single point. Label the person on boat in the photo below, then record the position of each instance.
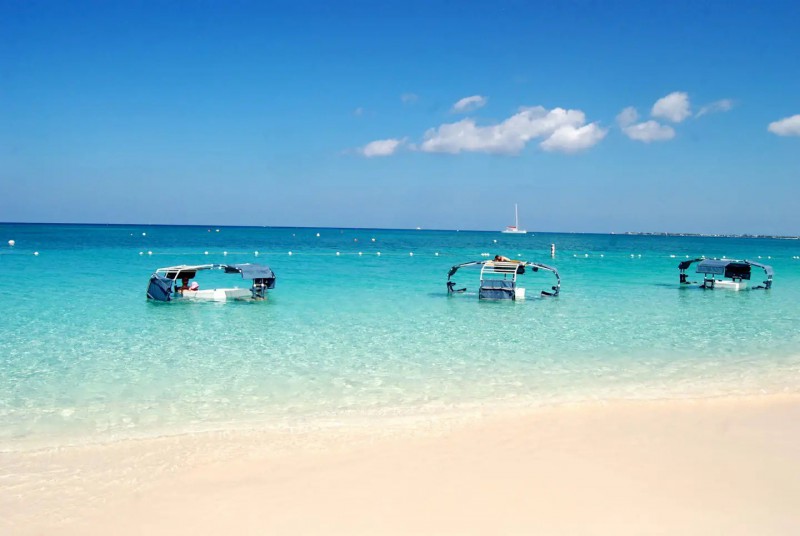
(194, 286)
(184, 284)
(500, 258)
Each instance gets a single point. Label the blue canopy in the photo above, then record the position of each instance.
(250, 271)
(713, 266)
(766, 267)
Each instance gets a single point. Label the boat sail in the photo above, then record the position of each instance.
(514, 229)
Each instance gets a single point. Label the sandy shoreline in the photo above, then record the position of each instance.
(720, 466)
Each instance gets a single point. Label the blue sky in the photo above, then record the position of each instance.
(593, 116)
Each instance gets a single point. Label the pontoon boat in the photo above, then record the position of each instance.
(499, 279)
(172, 283)
(725, 273)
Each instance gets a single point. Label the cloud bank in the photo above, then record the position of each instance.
(675, 107)
(556, 129)
(788, 126)
(562, 130)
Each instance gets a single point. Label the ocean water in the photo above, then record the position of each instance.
(84, 357)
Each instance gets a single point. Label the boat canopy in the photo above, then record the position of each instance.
(499, 278)
(185, 270)
(163, 281)
(736, 270)
(250, 271)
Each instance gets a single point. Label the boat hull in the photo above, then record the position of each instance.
(217, 294)
(725, 284)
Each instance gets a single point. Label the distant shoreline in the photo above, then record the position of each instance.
(492, 231)
(712, 235)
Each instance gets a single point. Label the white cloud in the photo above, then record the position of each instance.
(788, 126)
(468, 104)
(381, 147)
(646, 131)
(628, 116)
(674, 107)
(722, 105)
(570, 139)
(408, 98)
(649, 131)
(511, 135)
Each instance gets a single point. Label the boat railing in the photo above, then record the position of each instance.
(499, 270)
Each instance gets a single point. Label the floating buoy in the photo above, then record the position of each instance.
(141, 253)
(205, 253)
(217, 230)
(337, 253)
(495, 241)
(317, 235)
(436, 254)
(144, 234)
(149, 252)
(373, 240)
(256, 254)
(11, 243)
(35, 253)
(359, 253)
(224, 253)
(410, 253)
(290, 253)
(379, 254)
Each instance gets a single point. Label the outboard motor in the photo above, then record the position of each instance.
(451, 288)
(260, 287)
(160, 288)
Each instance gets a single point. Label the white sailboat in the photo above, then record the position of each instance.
(514, 229)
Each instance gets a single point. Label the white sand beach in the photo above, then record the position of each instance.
(718, 466)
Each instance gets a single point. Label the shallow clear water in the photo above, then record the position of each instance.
(85, 357)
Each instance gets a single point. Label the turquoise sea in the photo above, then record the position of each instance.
(356, 336)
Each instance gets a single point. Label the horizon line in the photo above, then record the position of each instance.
(629, 233)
